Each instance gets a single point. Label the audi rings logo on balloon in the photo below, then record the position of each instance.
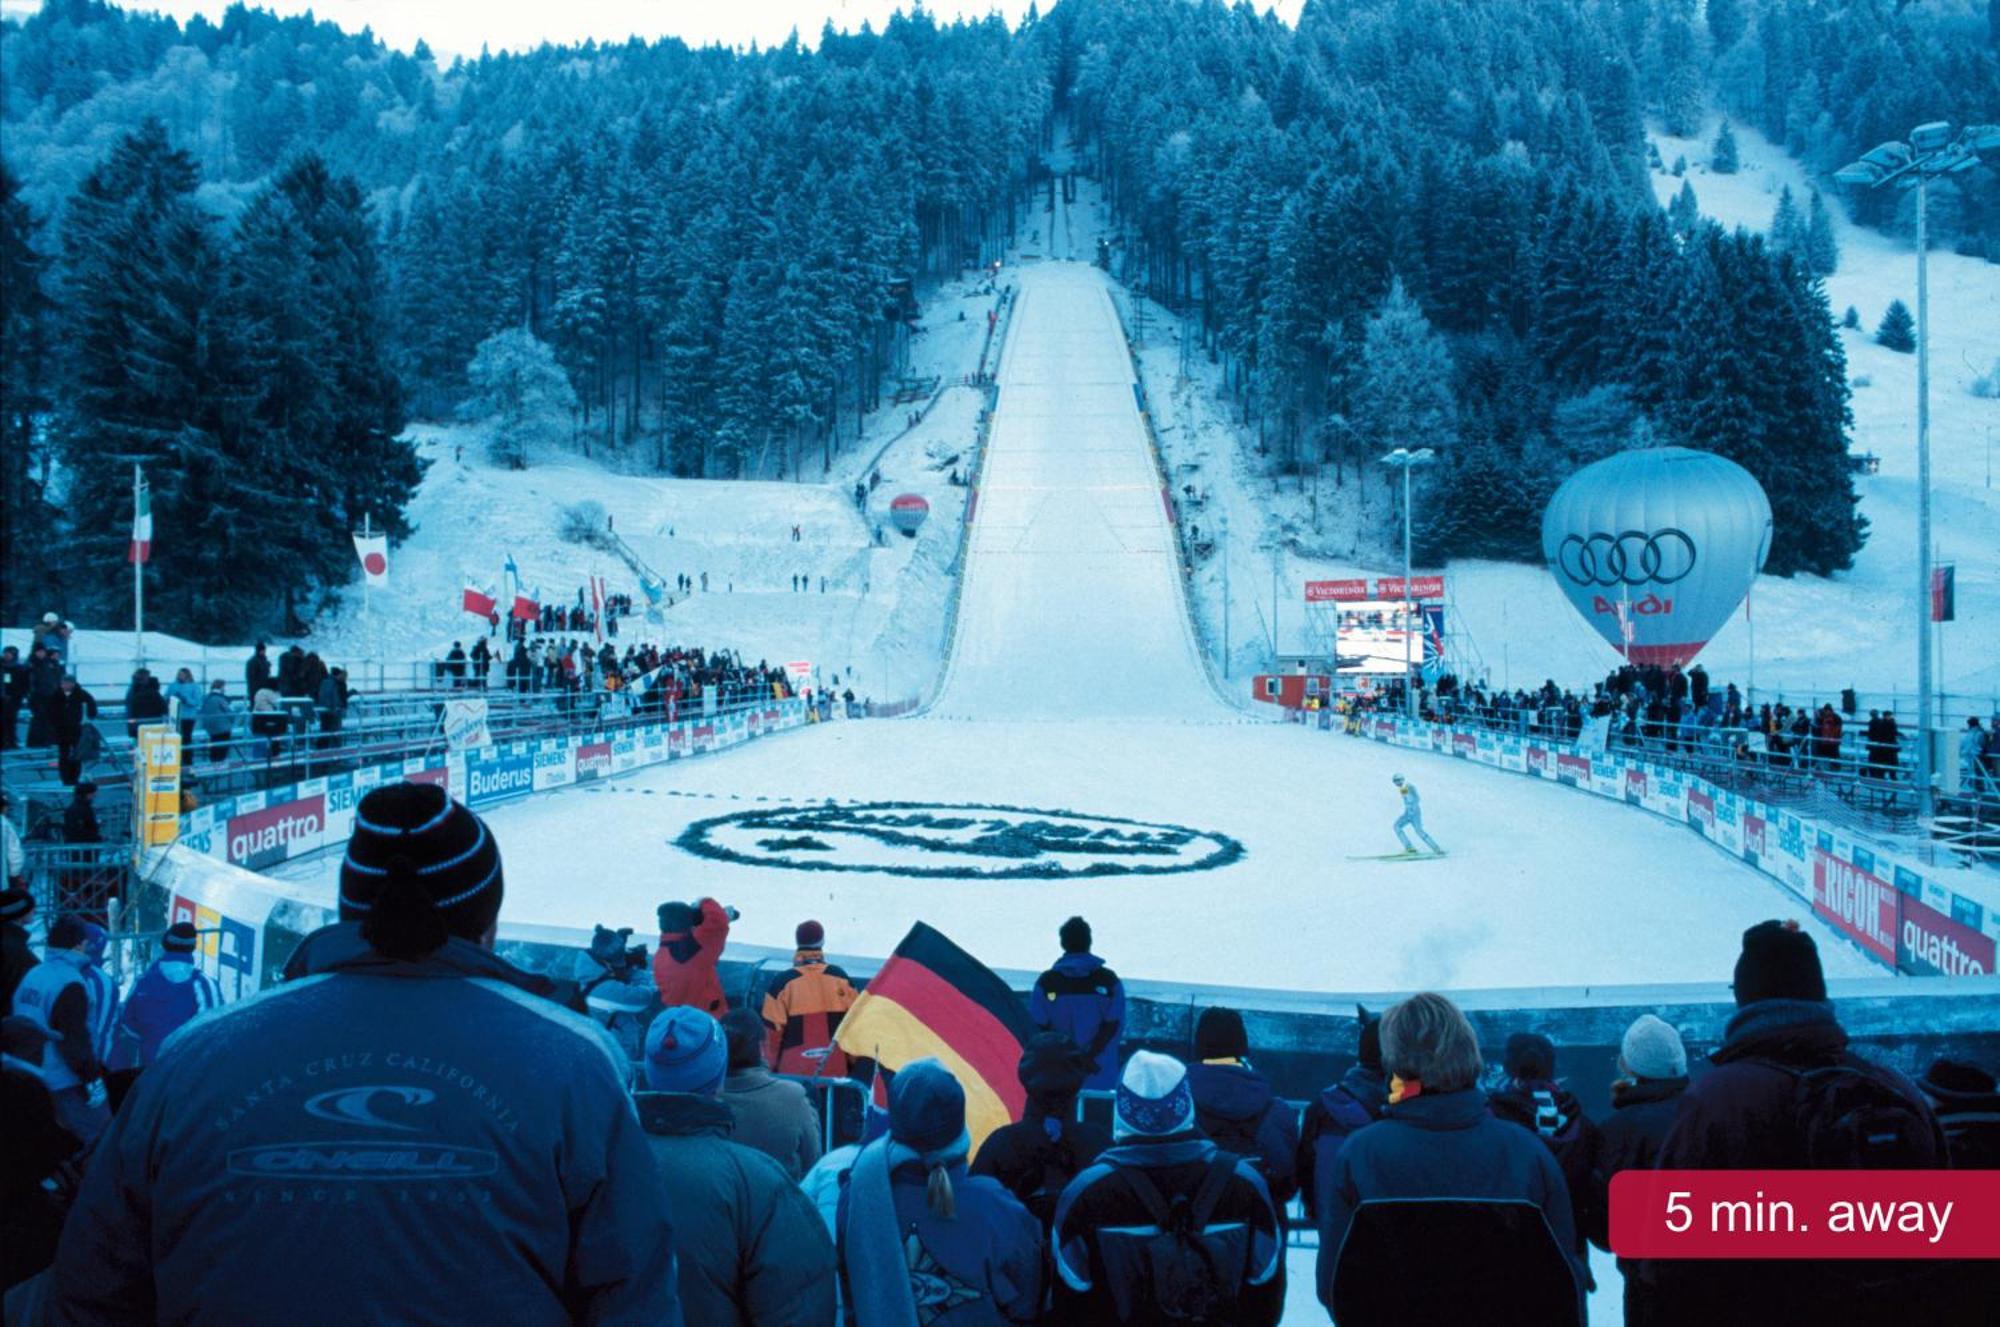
(1630, 557)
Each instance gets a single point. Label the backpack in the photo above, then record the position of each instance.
(1058, 1168)
(1186, 1272)
(1852, 1116)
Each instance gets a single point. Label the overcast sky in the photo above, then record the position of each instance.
(461, 27)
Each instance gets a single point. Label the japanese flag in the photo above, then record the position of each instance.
(373, 549)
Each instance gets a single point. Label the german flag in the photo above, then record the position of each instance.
(931, 998)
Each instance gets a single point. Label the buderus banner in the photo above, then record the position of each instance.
(1897, 912)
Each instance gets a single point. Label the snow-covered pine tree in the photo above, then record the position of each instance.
(1822, 250)
(1723, 159)
(520, 393)
(1788, 228)
(140, 274)
(27, 369)
(1684, 213)
(1898, 330)
(1403, 394)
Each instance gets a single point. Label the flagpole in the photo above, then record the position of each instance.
(138, 573)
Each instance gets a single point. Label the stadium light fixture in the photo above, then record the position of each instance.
(1933, 152)
(1406, 460)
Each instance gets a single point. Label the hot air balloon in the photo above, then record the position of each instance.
(907, 512)
(1657, 547)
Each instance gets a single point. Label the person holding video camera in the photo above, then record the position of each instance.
(691, 939)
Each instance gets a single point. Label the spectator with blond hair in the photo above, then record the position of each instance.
(1437, 1140)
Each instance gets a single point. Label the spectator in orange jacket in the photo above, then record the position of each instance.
(691, 939)
(803, 1009)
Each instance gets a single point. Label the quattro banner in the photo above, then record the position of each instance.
(1893, 912)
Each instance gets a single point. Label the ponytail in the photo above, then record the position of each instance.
(937, 1192)
(404, 922)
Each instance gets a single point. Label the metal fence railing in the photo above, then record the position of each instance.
(87, 879)
(1849, 778)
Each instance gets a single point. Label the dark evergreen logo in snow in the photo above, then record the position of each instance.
(977, 842)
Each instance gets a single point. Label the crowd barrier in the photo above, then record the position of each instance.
(1908, 916)
(236, 909)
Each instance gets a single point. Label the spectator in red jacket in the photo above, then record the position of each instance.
(691, 939)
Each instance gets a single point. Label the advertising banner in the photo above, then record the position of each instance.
(1857, 903)
(226, 947)
(1573, 770)
(1933, 944)
(158, 807)
(267, 836)
(494, 775)
(465, 724)
(1635, 786)
(1701, 813)
(554, 766)
(593, 761)
(1421, 587)
(1330, 592)
(624, 755)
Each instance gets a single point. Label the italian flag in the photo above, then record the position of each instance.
(141, 550)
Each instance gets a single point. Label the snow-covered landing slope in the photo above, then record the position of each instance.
(1071, 604)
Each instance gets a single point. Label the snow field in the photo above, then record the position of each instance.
(1069, 616)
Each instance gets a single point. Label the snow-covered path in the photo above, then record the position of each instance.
(1075, 707)
(1071, 605)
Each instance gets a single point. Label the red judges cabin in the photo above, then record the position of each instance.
(1294, 691)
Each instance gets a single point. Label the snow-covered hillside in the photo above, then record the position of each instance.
(872, 613)
(1812, 635)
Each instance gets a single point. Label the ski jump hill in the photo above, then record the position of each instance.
(1076, 759)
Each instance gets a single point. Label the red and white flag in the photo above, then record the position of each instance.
(597, 606)
(478, 602)
(141, 550)
(373, 550)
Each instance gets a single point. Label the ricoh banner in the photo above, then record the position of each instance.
(1891, 910)
(261, 829)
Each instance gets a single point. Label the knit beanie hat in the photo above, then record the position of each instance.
(74, 932)
(1652, 1049)
(926, 1108)
(1369, 1048)
(1955, 1081)
(677, 917)
(1530, 1057)
(419, 869)
(179, 940)
(1154, 1099)
(1075, 936)
(809, 935)
(15, 905)
(1779, 962)
(1219, 1035)
(685, 1052)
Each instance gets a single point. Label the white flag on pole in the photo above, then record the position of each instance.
(373, 550)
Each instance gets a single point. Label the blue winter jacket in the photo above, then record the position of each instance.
(1082, 997)
(1447, 1145)
(1353, 1103)
(376, 1141)
(166, 996)
(983, 1268)
(1235, 1107)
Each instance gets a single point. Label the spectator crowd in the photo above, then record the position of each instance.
(1679, 714)
(410, 1127)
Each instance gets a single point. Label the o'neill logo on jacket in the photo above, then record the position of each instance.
(260, 838)
(939, 840)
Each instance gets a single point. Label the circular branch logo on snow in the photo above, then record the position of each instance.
(977, 842)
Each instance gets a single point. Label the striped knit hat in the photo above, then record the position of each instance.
(179, 939)
(419, 869)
